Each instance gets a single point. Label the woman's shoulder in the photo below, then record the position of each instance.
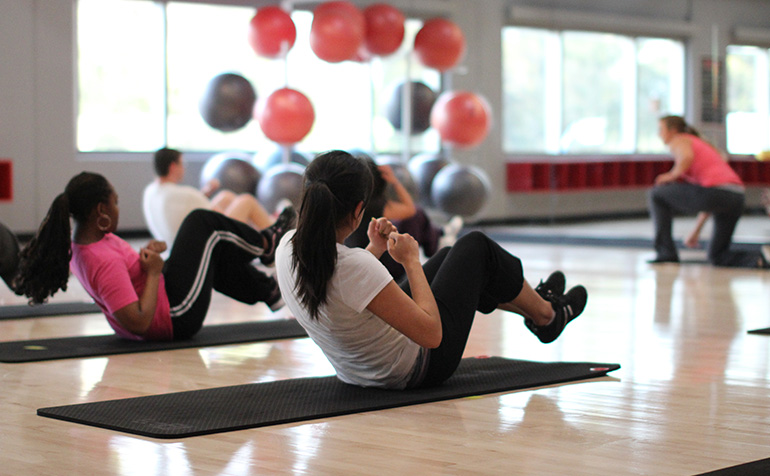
(357, 261)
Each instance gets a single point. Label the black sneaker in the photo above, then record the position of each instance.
(553, 286)
(567, 307)
(285, 222)
(663, 260)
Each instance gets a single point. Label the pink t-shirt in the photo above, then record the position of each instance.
(708, 168)
(110, 272)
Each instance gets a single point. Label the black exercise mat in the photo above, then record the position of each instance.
(93, 346)
(22, 311)
(216, 410)
(755, 468)
(766, 330)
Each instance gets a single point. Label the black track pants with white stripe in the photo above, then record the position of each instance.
(212, 251)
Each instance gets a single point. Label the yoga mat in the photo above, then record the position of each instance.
(21, 311)
(582, 240)
(766, 330)
(755, 468)
(216, 410)
(93, 346)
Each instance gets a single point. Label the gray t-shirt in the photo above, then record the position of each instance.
(363, 349)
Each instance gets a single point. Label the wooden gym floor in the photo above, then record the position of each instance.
(693, 393)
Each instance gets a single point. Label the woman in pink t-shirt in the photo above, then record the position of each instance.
(143, 296)
(700, 181)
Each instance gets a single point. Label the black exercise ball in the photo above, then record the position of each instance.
(422, 99)
(228, 102)
(9, 254)
(281, 182)
(266, 159)
(424, 168)
(460, 190)
(233, 170)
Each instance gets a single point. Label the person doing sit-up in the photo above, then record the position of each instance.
(143, 297)
(375, 332)
(166, 201)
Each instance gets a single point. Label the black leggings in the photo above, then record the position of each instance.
(212, 251)
(476, 274)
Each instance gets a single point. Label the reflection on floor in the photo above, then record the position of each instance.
(693, 393)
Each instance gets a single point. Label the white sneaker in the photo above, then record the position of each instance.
(451, 230)
(282, 203)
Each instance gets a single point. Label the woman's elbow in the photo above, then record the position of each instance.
(433, 340)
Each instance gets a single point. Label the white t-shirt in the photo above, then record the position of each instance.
(363, 349)
(165, 206)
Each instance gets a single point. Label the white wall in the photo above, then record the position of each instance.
(37, 99)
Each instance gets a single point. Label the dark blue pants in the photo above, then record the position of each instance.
(726, 208)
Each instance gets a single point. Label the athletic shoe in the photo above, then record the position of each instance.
(285, 222)
(567, 308)
(282, 204)
(450, 231)
(553, 286)
(766, 255)
(275, 301)
(663, 260)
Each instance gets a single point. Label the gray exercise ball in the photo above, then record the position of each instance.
(281, 182)
(9, 254)
(460, 190)
(423, 168)
(266, 159)
(234, 172)
(228, 102)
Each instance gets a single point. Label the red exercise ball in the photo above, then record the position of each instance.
(286, 116)
(337, 6)
(439, 44)
(462, 118)
(337, 31)
(272, 32)
(384, 29)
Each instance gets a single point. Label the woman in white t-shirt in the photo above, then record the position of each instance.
(376, 332)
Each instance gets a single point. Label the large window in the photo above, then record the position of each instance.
(143, 67)
(575, 92)
(748, 99)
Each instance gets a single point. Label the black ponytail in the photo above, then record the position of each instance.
(334, 184)
(44, 262)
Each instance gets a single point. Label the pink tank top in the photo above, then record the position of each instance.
(708, 168)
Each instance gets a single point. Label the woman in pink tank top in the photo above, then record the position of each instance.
(702, 182)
